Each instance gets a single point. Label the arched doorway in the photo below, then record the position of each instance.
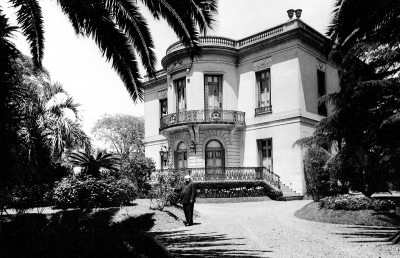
(215, 160)
(181, 156)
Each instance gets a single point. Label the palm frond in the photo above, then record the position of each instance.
(96, 21)
(133, 24)
(179, 19)
(29, 16)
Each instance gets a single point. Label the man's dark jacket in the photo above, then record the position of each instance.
(188, 193)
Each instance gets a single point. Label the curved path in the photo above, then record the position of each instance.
(270, 229)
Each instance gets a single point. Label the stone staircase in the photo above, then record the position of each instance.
(289, 194)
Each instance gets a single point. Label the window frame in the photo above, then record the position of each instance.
(268, 107)
(321, 87)
(220, 90)
(177, 88)
(268, 154)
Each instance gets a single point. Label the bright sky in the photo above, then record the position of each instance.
(77, 63)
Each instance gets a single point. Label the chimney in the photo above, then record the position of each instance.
(290, 13)
(298, 13)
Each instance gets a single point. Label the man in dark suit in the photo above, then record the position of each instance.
(188, 198)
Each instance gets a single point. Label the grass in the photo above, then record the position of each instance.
(111, 232)
(362, 217)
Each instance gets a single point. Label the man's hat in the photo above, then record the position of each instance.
(187, 176)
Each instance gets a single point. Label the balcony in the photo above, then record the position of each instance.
(204, 41)
(203, 116)
(263, 110)
(221, 174)
(248, 41)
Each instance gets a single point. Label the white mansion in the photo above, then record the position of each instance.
(235, 113)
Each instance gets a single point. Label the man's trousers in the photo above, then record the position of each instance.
(188, 210)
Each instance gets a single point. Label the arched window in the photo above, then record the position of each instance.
(181, 156)
(214, 154)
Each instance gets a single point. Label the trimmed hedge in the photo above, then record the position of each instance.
(229, 189)
(354, 203)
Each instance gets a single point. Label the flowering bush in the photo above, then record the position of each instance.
(88, 192)
(352, 202)
(229, 189)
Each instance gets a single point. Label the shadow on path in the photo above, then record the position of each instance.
(369, 234)
(183, 244)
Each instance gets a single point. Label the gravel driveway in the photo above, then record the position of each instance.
(270, 229)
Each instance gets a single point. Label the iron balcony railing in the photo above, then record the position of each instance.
(202, 116)
(221, 174)
(263, 110)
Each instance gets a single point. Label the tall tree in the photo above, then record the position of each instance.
(366, 123)
(123, 134)
(119, 29)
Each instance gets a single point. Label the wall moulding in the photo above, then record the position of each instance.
(162, 94)
(262, 64)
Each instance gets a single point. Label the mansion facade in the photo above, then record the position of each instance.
(236, 112)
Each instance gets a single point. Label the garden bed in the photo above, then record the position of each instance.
(313, 212)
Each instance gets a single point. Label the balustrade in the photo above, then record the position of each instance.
(202, 116)
(262, 110)
(221, 41)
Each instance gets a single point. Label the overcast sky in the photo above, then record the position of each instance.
(77, 63)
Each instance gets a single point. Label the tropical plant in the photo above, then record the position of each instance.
(119, 29)
(62, 121)
(92, 164)
(368, 30)
(365, 42)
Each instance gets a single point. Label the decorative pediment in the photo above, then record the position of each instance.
(162, 94)
(321, 65)
(178, 65)
(262, 64)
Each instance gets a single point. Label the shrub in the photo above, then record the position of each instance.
(228, 189)
(162, 192)
(321, 173)
(352, 202)
(89, 192)
(138, 168)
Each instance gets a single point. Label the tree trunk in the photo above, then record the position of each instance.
(395, 239)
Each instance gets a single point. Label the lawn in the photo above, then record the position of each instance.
(361, 217)
(111, 232)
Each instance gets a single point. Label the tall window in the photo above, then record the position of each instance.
(265, 153)
(181, 156)
(321, 92)
(263, 80)
(213, 91)
(163, 107)
(180, 86)
(214, 154)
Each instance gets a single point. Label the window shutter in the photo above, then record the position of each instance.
(220, 91)
(258, 85)
(176, 160)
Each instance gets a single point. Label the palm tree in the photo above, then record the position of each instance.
(61, 121)
(119, 29)
(92, 165)
(368, 29)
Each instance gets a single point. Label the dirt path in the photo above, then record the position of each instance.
(270, 229)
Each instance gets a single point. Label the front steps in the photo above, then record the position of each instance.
(289, 194)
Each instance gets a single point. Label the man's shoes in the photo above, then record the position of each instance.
(190, 224)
